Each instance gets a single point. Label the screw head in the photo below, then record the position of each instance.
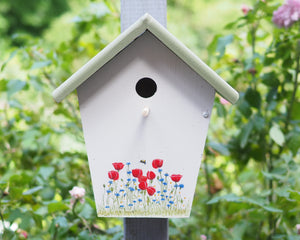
(205, 114)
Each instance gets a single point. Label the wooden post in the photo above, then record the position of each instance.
(132, 10)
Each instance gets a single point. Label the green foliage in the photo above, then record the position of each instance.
(248, 185)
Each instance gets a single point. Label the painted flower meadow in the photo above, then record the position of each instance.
(141, 192)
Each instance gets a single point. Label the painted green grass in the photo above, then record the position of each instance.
(159, 212)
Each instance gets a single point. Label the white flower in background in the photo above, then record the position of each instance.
(77, 193)
(13, 227)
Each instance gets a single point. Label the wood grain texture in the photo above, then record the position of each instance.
(132, 10)
(146, 229)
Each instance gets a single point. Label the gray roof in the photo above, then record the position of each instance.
(145, 23)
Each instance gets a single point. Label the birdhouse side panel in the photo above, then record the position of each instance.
(145, 116)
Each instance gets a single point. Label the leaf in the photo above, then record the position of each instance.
(3, 83)
(239, 229)
(282, 192)
(221, 148)
(14, 86)
(272, 209)
(253, 97)
(47, 193)
(40, 64)
(245, 108)
(46, 172)
(87, 212)
(270, 79)
(277, 135)
(11, 56)
(237, 199)
(259, 122)
(273, 176)
(222, 43)
(56, 207)
(245, 133)
(173, 231)
(227, 197)
(61, 221)
(32, 190)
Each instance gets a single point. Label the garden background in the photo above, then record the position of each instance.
(248, 186)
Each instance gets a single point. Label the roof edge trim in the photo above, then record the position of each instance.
(146, 22)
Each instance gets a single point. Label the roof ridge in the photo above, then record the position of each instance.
(146, 22)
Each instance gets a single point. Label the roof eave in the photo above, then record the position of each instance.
(146, 22)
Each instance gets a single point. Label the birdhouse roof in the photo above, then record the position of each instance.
(146, 23)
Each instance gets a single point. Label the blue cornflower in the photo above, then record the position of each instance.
(165, 183)
(163, 199)
(168, 205)
(130, 204)
(161, 180)
(131, 189)
(110, 182)
(160, 170)
(106, 206)
(134, 201)
(121, 190)
(162, 195)
(139, 190)
(108, 191)
(124, 194)
(128, 163)
(181, 185)
(165, 191)
(128, 172)
(121, 206)
(128, 179)
(153, 200)
(158, 191)
(117, 194)
(176, 185)
(134, 180)
(166, 174)
(171, 202)
(140, 200)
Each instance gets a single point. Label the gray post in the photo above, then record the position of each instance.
(132, 10)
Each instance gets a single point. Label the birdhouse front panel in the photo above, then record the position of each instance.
(145, 116)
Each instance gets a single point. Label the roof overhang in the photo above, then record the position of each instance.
(145, 23)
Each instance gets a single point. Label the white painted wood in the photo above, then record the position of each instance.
(175, 130)
(132, 10)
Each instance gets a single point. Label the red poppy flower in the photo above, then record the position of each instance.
(143, 185)
(118, 165)
(114, 175)
(150, 175)
(176, 177)
(137, 172)
(157, 163)
(142, 179)
(151, 190)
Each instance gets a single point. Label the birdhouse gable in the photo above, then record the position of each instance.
(146, 24)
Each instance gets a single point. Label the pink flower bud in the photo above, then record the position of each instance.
(77, 192)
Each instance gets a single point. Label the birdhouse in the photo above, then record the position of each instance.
(145, 102)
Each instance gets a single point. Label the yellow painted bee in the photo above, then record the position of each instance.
(143, 161)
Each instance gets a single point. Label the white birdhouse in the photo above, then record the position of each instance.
(145, 102)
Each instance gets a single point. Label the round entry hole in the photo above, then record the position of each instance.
(146, 87)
